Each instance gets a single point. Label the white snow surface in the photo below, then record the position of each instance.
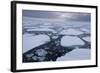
(41, 29)
(88, 39)
(30, 41)
(76, 54)
(68, 41)
(71, 32)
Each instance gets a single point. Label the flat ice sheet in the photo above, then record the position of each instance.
(71, 32)
(76, 54)
(67, 41)
(30, 41)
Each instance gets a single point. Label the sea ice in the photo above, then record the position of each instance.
(76, 54)
(85, 30)
(71, 32)
(68, 41)
(88, 39)
(30, 41)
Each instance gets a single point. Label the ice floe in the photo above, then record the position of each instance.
(30, 41)
(76, 54)
(41, 29)
(41, 52)
(67, 41)
(71, 32)
(88, 39)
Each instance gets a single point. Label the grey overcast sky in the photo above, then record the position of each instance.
(74, 16)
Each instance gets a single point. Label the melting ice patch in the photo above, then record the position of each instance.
(41, 52)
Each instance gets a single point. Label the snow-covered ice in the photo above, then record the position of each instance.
(76, 54)
(71, 32)
(67, 41)
(45, 26)
(88, 39)
(30, 41)
(41, 29)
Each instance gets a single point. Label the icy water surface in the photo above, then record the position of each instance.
(56, 42)
(55, 36)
